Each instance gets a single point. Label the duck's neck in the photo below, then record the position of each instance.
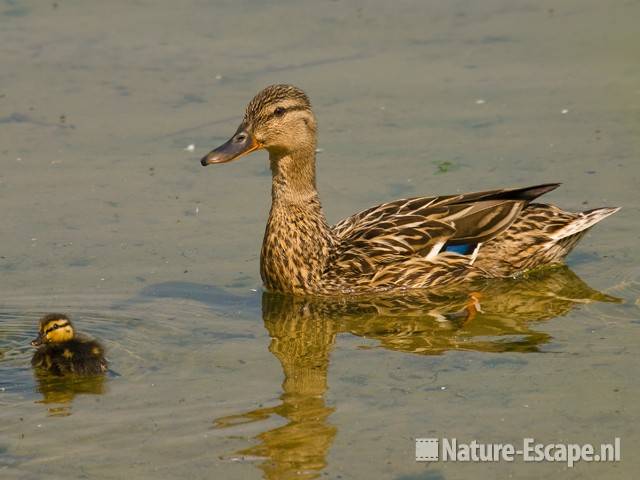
(297, 240)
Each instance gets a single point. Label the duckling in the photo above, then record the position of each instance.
(61, 351)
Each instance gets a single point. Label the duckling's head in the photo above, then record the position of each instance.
(54, 328)
(278, 119)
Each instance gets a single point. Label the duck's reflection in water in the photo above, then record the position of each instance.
(496, 317)
(58, 392)
(301, 340)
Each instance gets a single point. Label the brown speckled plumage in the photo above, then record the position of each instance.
(394, 246)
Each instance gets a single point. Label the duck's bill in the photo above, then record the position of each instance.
(240, 144)
(36, 342)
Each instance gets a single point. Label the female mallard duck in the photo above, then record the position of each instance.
(61, 351)
(423, 242)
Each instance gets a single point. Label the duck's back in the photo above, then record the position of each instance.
(427, 242)
(77, 356)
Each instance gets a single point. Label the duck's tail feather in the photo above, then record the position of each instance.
(584, 221)
(565, 239)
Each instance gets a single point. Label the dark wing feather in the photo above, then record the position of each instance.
(481, 221)
(420, 205)
(412, 227)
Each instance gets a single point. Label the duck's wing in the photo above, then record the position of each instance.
(423, 226)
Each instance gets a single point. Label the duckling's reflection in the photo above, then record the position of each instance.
(58, 392)
(494, 318)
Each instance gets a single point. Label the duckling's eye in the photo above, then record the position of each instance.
(56, 327)
(279, 111)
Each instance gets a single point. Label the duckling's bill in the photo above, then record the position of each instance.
(240, 144)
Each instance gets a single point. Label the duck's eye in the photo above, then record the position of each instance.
(279, 111)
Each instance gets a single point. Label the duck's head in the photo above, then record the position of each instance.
(278, 119)
(54, 328)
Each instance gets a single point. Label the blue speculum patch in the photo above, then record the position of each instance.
(464, 249)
